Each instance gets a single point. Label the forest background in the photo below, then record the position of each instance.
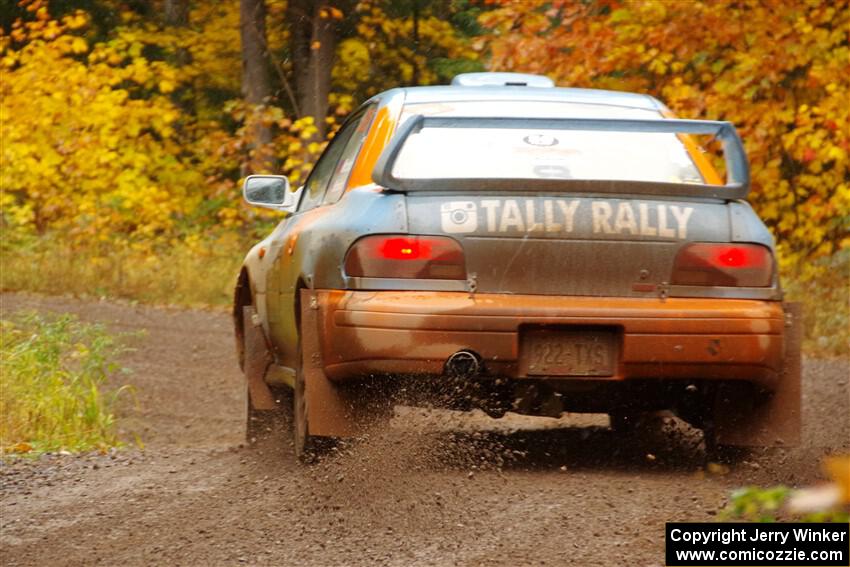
(127, 125)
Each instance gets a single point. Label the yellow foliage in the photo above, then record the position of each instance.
(83, 150)
(386, 53)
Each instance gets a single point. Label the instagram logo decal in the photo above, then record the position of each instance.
(459, 217)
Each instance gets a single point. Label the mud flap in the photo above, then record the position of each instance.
(777, 420)
(332, 411)
(257, 361)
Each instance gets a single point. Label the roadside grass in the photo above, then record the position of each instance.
(191, 272)
(53, 374)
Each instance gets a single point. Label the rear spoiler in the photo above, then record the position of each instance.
(737, 169)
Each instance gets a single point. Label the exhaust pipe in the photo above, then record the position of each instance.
(463, 364)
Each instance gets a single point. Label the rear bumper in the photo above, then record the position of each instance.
(363, 333)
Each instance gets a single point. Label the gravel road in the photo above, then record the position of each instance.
(500, 494)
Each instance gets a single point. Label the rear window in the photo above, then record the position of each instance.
(511, 153)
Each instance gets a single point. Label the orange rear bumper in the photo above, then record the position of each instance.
(365, 332)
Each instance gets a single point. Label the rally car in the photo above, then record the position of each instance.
(539, 249)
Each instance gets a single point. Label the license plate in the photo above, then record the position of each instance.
(559, 352)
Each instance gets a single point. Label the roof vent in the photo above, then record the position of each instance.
(502, 80)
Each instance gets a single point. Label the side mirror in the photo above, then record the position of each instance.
(271, 192)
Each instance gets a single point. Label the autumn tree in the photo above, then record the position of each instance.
(407, 43)
(313, 32)
(256, 81)
(89, 139)
(177, 112)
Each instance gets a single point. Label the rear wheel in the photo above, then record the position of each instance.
(630, 422)
(254, 358)
(719, 452)
(307, 447)
(730, 403)
(267, 424)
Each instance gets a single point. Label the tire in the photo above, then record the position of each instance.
(308, 448)
(627, 422)
(267, 424)
(719, 453)
(736, 399)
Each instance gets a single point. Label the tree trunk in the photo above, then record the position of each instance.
(313, 40)
(176, 12)
(176, 15)
(415, 78)
(256, 83)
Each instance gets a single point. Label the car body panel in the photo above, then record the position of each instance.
(552, 235)
(408, 332)
(311, 251)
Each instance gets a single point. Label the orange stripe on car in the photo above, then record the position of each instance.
(705, 168)
(377, 139)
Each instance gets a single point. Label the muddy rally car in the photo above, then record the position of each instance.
(506, 245)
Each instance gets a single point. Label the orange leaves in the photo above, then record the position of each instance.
(331, 12)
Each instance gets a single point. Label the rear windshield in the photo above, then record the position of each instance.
(511, 153)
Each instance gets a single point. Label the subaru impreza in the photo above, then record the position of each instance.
(525, 248)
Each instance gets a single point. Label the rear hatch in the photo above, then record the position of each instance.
(592, 206)
(568, 244)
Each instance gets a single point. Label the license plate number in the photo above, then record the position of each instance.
(550, 352)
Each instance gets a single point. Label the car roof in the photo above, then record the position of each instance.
(419, 95)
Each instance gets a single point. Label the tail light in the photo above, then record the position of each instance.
(735, 265)
(404, 256)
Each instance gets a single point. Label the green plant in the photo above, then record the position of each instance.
(53, 385)
(755, 504)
